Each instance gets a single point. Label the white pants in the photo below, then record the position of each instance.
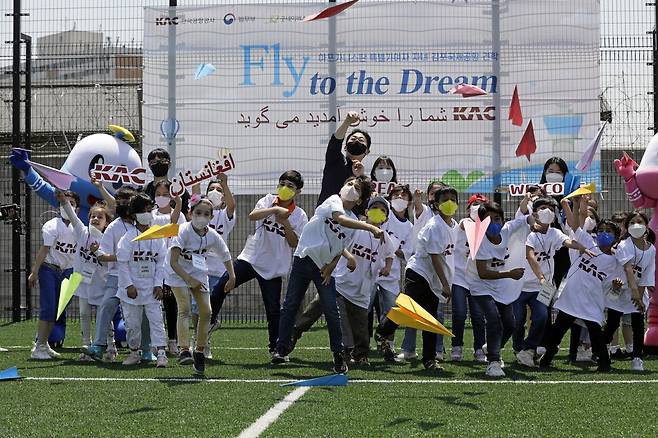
(132, 315)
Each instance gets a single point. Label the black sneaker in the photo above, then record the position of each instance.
(604, 368)
(185, 357)
(619, 355)
(359, 362)
(278, 358)
(384, 346)
(340, 366)
(199, 362)
(433, 365)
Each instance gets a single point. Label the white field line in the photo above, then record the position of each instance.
(355, 381)
(260, 425)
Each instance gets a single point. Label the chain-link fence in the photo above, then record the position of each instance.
(86, 72)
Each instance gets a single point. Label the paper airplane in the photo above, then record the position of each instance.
(515, 114)
(56, 177)
(587, 158)
(467, 90)
(330, 12)
(10, 374)
(571, 183)
(583, 190)
(404, 320)
(332, 380)
(411, 308)
(66, 291)
(158, 232)
(527, 146)
(475, 232)
(121, 132)
(204, 70)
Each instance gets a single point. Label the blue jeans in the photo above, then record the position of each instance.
(410, 335)
(270, 290)
(304, 271)
(499, 325)
(538, 317)
(460, 298)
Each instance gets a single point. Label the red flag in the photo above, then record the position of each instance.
(515, 114)
(527, 146)
(330, 12)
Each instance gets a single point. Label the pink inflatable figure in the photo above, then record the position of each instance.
(641, 182)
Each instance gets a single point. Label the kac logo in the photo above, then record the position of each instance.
(229, 18)
(164, 21)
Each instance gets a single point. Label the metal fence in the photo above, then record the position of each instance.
(86, 72)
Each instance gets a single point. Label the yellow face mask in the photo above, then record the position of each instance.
(449, 207)
(285, 193)
(376, 216)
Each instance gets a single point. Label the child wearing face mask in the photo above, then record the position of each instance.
(364, 261)
(52, 265)
(267, 254)
(429, 274)
(186, 271)
(159, 162)
(320, 246)
(383, 170)
(493, 284)
(584, 294)
(90, 290)
(223, 221)
(637, 255)
(140, 267)
(541, 246)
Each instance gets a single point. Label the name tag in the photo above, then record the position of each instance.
(199, 262)
(145, 270)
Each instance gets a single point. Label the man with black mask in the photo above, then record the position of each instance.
(339, 167)
(159, 161)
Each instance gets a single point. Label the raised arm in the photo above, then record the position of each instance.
(228, 196)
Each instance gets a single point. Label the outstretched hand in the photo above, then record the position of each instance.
(18, 159)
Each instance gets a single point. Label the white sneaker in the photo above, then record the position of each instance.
(162, 360)
(456, 354)
(495, 370)
(110, 354)
(526, 358)
(637, 364)
(40, 352)
(207, 352)
(133, 358)
(172, 346)
(52, 353)
(84, 358)
(407, 355)
(480, 356)
(541, 351)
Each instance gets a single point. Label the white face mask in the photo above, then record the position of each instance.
(589, 224)
(162, 201)
(349, 194)
(62, 213)
(473, 212)
(546, 216)
(144, 218)
(637, 230)
(199, 222)
(95, 233)
(384, 175)
(554, 177)
(399, 204)
(216, 198)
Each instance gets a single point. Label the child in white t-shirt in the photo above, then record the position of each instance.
(493, 284)
(429, 273)
(90, 290)
(584, 294)
(140, 268)
(187, 274)
(320, 246)
(365, 260)
(52, 265)
(541, 245)
(267, 255)
(636, 255)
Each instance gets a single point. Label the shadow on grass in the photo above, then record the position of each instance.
(142, 410)
(425, 426)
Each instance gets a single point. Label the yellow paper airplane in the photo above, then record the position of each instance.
(583, 190)
(158, 232)
(66, 291)
(401, 318)
(414, 310)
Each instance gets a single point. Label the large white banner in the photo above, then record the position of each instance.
(278, 91)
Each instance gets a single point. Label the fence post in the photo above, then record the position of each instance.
(27, 210)
(15, 174)
(655, 67)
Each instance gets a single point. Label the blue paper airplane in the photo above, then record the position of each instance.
(204, 70)
(332, 380)
(571, 183)
(9, 374)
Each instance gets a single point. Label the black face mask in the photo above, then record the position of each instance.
(159, 169)
(356, 148)
(122, 210)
